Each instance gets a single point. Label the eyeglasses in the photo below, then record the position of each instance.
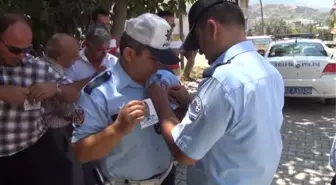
(15, 50)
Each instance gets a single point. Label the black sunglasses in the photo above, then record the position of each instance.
(15, 50)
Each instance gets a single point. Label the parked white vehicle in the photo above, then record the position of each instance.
(307, 67)
(262, 43)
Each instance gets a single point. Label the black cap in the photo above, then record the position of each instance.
(195, 13)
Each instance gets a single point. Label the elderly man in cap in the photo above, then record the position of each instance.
(231, 131)
(112, 108)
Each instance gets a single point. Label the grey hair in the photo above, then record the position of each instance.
(98, 33)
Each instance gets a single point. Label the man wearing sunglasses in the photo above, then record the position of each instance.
(94, 58)
(231, 131)
(26, 140)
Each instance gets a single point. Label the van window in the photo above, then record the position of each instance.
(260, 41)
(297, 49)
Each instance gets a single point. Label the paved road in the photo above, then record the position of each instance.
(307, 132)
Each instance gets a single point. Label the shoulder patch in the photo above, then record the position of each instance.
(164, 84)
(100, 79)
(208, 72)
(78, 117)
(159, 76)
(195, 108)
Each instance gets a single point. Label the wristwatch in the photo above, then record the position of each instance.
(58, 88)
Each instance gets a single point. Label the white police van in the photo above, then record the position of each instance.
(307, 67)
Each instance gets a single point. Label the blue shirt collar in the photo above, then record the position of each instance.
(233, 51)
(121, 79)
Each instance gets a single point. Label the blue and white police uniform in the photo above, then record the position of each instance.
(141, 154)
(233, 123)
(142, 157)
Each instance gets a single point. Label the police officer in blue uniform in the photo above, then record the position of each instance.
(231, 131)
(110, 109)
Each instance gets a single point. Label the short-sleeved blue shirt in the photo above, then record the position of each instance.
(141, 154)
(233, 123)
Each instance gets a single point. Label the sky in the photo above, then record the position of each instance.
(309, 3)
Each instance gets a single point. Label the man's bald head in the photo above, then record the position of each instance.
(62, 48)
(15, 36)
(58, 44)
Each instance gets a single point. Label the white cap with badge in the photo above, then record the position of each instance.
(153, 31)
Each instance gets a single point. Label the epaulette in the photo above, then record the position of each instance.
(208, 72)
(97, 81)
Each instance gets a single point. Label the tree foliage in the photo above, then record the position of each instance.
(279, 26)
(137, 7)
(51, 16)
(332, 20)
(73, 16)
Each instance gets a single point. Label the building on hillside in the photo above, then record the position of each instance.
(298, 22)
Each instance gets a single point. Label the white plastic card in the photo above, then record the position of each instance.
(151, 116)
(30, 106)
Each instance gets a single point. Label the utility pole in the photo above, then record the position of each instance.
(181, 13)
(262, 18)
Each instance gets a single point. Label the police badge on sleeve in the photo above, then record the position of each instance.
(195, 108)
(78, 117)
(172, 102)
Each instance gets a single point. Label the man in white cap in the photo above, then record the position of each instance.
(112, 108)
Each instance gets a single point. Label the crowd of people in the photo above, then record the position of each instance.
(75, 116)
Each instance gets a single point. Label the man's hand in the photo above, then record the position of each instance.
(42, 91)
(69, 93)
(130, 116)
(13, 94)
(180, 93)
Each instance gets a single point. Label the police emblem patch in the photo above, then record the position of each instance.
(78, 117)
(164, 84)
(195, 108)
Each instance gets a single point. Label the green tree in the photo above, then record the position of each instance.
(324, 34)
(73, 16)
(272, 27)
(137, 7)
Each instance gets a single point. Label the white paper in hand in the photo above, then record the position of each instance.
(29, 106)
(173, 104)
(151, 116)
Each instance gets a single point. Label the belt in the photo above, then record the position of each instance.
(157, 180)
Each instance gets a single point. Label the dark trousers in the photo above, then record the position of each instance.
(48, 162)
(170, 180)
(333, 182)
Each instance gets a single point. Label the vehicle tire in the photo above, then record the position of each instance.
(330, 101)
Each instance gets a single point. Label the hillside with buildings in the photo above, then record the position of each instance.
(290, 13)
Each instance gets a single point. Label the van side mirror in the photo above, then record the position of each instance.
(332, 55)
(261, 52)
